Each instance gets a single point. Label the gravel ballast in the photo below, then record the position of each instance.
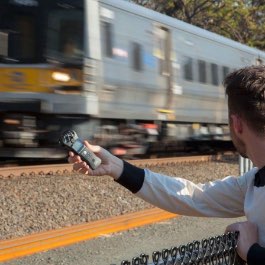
(40, 203)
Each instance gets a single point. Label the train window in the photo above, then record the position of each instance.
(19, 36)
(65, 34)
(108, 35)
(225, 71)
(202, 71)
(137, 56)
(162, 49)
(214, 72)
(188, 73)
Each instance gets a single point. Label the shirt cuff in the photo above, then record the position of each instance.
(256, 255)
(132, 177)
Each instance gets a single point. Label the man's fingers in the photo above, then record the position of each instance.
(232, 227)
(72, 158)
(83, 170)
(93, 148)
(239, 226)
(78, 166)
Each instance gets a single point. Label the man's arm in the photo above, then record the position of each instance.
(221, 198)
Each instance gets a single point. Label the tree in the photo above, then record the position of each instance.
(181, 9)
(240, 20)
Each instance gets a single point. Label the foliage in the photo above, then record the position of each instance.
(240, 20)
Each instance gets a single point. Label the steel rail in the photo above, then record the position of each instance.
(31, 244)
(60, 169)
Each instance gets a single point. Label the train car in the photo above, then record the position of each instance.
(121, 75)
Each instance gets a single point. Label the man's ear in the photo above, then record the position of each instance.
(237, 123)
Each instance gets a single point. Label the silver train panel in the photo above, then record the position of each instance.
(127, 93)
(56, 103)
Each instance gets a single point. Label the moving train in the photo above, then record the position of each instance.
(128, 78)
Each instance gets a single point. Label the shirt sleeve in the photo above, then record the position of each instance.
(220, 198)
(256, 255)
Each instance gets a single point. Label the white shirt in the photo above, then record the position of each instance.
(229, 197)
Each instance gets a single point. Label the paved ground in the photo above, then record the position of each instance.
(112, 249)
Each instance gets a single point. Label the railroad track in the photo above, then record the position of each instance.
(59, 169)
(27, 245)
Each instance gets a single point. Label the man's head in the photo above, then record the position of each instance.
(245, 89)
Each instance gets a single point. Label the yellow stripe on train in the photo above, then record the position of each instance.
(38, 79)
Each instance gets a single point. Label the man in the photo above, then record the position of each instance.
(229, 197)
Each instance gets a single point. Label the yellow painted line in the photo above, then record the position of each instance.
(16, 248)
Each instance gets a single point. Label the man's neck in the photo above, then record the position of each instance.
(256, 151)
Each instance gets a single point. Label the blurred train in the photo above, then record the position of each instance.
(123, 76)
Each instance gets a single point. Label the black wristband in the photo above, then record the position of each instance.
(256, 255)
(132, 177)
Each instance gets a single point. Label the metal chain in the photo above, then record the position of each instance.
(219, 250)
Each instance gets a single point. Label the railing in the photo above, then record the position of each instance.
(244, 165)
(218, 250)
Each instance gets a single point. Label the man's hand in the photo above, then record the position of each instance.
(248, 235)
(110, 165)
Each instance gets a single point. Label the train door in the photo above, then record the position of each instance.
(164, 47)
(19, 46)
